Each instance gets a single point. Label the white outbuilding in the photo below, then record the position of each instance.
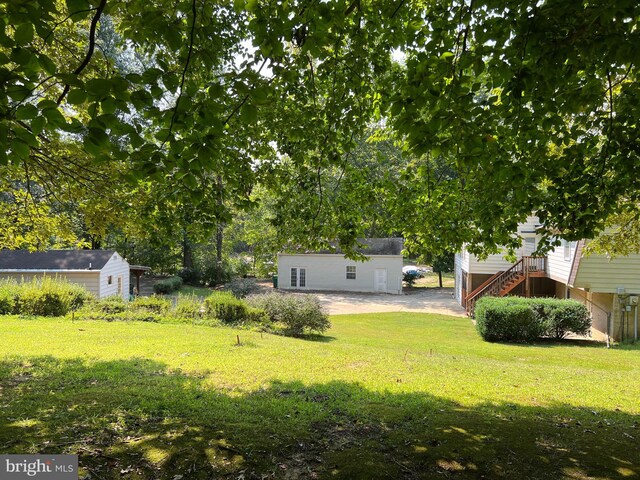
(102, 272)
(325, 270)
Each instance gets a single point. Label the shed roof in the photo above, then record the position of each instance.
(54, 259)
(370, 246)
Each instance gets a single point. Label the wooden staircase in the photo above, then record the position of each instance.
(502, 283)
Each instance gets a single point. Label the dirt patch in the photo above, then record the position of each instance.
(425, 300)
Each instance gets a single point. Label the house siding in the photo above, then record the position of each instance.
(115, 267)
(328, 272)
(558, 268)
(88, 279)
(603, 275)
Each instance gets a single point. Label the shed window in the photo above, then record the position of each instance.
(110, 280)
(567, 250)
(351, 272)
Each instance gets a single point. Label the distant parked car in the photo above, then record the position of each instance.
(412, 269)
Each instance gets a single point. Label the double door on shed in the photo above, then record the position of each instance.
(298, 277)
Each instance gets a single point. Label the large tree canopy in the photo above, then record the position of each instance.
(526, 106)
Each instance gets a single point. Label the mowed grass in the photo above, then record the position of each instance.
(380, 396)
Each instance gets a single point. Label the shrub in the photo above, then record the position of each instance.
(295, 314)
(188, 306)
(109, 305)
(410, 277)
(152, 304)
(561, 317)
(46, 297)
(190, 276)
(241, 287)
(168, 285)
(257, 316)
(8, 296)
(525, 319)
(226, 307)
(499, 319)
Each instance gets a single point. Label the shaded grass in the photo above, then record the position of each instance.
(391, 396)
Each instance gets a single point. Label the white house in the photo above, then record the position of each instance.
(103, 272)
(382, 272)
(608, 287)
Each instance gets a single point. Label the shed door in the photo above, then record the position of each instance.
(381, 279)
(298, 277)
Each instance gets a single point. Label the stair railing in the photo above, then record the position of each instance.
(497, 285)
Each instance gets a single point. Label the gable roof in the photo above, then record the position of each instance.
(370, 246)
(54, 259)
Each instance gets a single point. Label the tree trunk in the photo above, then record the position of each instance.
(219, 236)
(187, 252)
(440, 278)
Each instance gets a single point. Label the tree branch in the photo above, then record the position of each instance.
(184, 70)
(92, 45)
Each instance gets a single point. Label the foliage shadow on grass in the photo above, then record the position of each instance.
(552, 342)
(136, 419)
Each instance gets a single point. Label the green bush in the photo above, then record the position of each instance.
(526, 319)
(295, 315)
(43, 296)
(8, 296)
(188, 307)
(168, 285)
(226, 307)
(241, 287)
(152, 304)
(561, 317)
(124, 316)
(109, 305)
(501, 319)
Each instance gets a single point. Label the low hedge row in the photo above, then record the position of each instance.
(168, 285)
(45, 296)
(518, 319)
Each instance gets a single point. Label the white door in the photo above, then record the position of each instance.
(298, 277)
(381, 280)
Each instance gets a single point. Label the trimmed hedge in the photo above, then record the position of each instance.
(520, 319)
(45, 296)
(168, 285)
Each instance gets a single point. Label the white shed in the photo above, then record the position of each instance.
(382, 272)
(103, 272)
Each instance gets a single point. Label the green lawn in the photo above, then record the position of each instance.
(381, 396)
(197, 291)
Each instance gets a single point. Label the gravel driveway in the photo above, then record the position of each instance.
(431, 300)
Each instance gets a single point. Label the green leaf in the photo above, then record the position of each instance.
(54, 117)
(98, 87)
(249, 113)
(37, 125)
(80, 6)
(95, 141)
(47, 64)
(76, 96)
(26, 112)
(108, 105)
(24, 34)
(19, 149)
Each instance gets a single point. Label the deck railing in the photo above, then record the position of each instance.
(523, 268)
